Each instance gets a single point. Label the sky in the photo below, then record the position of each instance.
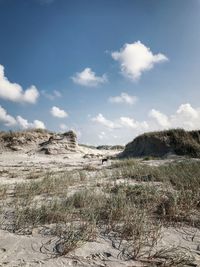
(107, 69)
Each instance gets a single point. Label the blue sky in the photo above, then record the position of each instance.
(109, 69)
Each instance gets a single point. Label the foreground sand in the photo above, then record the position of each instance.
(36, 247)
(28, 250)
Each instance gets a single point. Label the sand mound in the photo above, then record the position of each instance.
(39, 140)
(60, 144)
(22, 140)
(158, 144)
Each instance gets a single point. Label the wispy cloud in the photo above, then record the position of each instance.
(136, 58)
(88, 78)
(51, 96)
(123, 98)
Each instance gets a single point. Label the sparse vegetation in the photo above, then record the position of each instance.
(156, 144)
(130, 202)
(107, 147)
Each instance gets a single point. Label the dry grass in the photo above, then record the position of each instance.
(131, 214)
(3, 192)
(178, 198)
(50, 184)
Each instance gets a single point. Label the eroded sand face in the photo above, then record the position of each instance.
(36, 248)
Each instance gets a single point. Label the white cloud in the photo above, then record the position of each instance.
(24, 124)
(185, 117)
(10, 121)
(103, 121)
(30, 95)
(123, 98)
(160, 118)
(126, 128)
(57, 112)
(120, 123)
(88, 78)
(5, 118)
(38, 124)
(51, 96)
(136, 58)
(14, 92)
(187, 111)
(131, 123)
(119, 131)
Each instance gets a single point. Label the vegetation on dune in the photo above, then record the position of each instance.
(107, 147)
(175, 141)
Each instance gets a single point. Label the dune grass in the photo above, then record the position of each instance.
(133, 212)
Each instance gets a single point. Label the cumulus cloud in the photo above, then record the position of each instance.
(185, 117)
(121, 123)
(24, 124)
(6, 119)
(117, 131)
(19, 121)
(38, 124)
(88, 78)
(105, 122)
(51, 96)
(123, 98)
(14, 92)
(160, 118)
(57, 112)
(122, 129)
(187, 111)
(136, 58)
(131, 123)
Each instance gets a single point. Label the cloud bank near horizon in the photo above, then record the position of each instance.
(123, 127)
